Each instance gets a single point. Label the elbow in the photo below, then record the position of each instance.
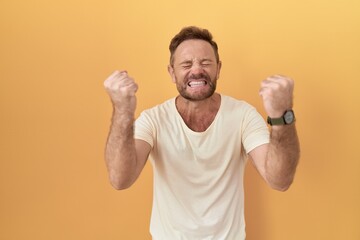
(120, 184)
(119, 187)
(281, 186)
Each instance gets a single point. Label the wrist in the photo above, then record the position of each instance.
(123, 114)
(287, 118)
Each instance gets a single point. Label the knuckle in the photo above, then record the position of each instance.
(106, 85)
(276, 87)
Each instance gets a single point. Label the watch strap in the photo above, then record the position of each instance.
(275, 121)
(287, 118)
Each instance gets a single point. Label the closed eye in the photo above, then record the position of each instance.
(206, 63)
(186, 66)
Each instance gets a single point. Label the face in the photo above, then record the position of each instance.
(195, 70)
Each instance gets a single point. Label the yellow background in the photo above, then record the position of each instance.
(55, 114)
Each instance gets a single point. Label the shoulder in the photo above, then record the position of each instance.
(165, 107)
(230, 103)
(240, 111)
(160, 112)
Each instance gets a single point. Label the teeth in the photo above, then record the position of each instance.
(196, 83)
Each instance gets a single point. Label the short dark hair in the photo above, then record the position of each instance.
(192, 32)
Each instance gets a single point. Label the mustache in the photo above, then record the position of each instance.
(199, 76)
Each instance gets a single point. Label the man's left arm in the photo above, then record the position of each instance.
(276, 161)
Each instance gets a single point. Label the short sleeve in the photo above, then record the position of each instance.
(144, 129)
(255, 131)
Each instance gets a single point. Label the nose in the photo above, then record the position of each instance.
(197, 68)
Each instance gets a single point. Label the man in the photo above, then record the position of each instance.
(198, 143)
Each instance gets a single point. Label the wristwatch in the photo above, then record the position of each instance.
(287, 118)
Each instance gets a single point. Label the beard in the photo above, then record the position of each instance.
(198, 96)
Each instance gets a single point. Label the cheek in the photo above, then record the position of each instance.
(180, 75)
(174, 76)
(217, 73)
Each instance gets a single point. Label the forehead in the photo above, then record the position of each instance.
(194, 49)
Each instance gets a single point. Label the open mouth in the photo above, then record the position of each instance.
(197, 83)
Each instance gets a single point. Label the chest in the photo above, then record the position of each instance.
(199, 122)
(197, 157)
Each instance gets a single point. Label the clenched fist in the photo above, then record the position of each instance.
(277, 94)
(121, 89)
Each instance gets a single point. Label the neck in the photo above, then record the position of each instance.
(198, 115)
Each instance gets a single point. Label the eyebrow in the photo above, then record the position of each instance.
(186, 62)
(190, 61)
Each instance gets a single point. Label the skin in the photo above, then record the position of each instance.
(195, 72)
(125, 157)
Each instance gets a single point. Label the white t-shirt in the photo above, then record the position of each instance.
(198, 176)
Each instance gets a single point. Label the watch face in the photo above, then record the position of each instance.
(289, 117)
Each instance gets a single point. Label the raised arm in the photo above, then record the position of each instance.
(125, 157)
(277, 161)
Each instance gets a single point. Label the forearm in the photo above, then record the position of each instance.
(282, 157)
(120, 151)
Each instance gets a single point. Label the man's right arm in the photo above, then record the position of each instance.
(125, 157)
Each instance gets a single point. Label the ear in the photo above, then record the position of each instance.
(172, 73)
(218, 70)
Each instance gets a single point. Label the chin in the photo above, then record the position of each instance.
(198, 96)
